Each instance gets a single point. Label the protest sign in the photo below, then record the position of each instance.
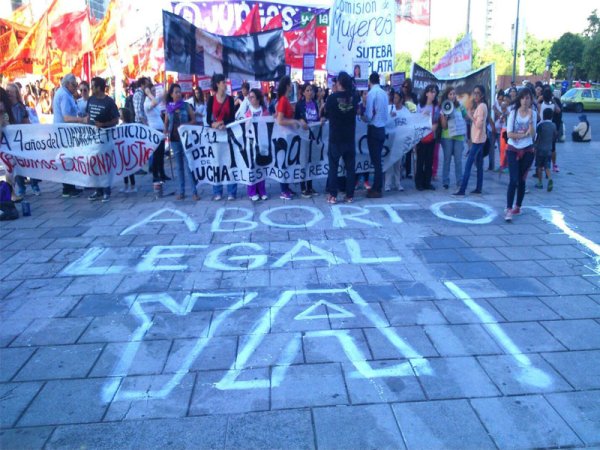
(308, 67)
(82, 155)
(256, 56)
(361, 30)
(396, 80)
(253, 150)
(457, 60)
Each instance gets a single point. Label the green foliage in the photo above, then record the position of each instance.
(591, 57)
(498, 54)
(566, 50)
(403, 62)
(593, 25)
(536, 53)
(439, 47)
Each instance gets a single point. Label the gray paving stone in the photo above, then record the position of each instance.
(79, 402)
(523, 267)
(24, 438)
(444, 242)
(573, 307)
(217, 353)
(580, 410)
(528, 421)
(386, 389)
(184, 433)
(330, 349)
(481, 254)
(65, 361)
(562, 251)
(575, 334)
(110, 329)
(250, 278)
(461, 340)
(196, 281)
(369, 426)
(441, 255)
(271, 350)
(479, 269)
(90, 285)
(208, 398)
(344, 273)
(48, 287)
(415, 290)
(273, 430)
(516, 309)
(441, 425)
(581, 369)
(380, 274)
(100, 305)
(523, 253)
(310, 385)
(415, 337)
(152, 282)
(283, 320)
(41, 306)
(413, 313)
(565, 267)
(480, 288)
(484, 241)
(531, 337)
(12, 359)
(149, 358)
(296, 278)
(6, 287)
(362, 316)
(14, 399)
(378, 293)
(241, 322)
(52, 332)
(175, 404)
(457, 312)
(570, 285)
(516, 287)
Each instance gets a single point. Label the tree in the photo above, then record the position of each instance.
(496, 53)
(593, 25)
(568, 49)
(591, 58)
(536, 53)
(439, 47)
(403, 63)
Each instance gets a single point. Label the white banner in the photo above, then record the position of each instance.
(457, 61)
(253, 150)
(82, 155)
(361, 30)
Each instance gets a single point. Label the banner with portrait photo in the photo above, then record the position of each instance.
(256, 56)
(82, 155)
(252, 150)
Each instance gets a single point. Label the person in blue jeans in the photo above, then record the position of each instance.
(479, 120)
(454, 130)
(179, 113)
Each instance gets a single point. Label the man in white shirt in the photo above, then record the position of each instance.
(376, 115)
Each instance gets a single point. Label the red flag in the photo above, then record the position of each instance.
(274, 23)
(299, 42)
(251, 23)
(71, 32)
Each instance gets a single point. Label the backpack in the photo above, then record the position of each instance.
(8, 210)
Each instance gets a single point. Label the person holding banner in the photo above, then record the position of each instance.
(376, 115)
(424, 166)
(284, 113)
(307, 112)
(454, 131)
(479, 121)
(66, 111)
(152, 110)
(179, 113)
(220, 112)
(256, 108)
(397, 111)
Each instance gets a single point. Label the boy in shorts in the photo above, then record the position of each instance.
(546, 136)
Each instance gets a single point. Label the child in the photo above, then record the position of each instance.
(546, 136)
(127, 117)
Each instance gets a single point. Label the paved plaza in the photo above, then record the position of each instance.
(417, 321)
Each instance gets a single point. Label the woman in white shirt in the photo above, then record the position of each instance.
(153, 107)
(520, 126)
(197, 102)
(393, 174)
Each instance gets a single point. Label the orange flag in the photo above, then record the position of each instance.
(8, 44)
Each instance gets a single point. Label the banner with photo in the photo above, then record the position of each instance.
(82, 155)
(191, 50)
(256, 149)
(457, 61)
(361, 30)
(463, 84)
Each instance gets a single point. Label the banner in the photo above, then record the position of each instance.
(464, 84)
(361, 29)
(82, 155)
(8, 43)
(413, 11)
(190, 50)
(457, 61)
(253, 150)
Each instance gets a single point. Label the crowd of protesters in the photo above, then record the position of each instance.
(524, 125)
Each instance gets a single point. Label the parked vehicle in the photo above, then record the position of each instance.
(580, 99)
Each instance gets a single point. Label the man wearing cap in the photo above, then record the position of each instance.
(582, 132)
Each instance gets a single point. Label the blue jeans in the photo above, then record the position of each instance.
(344, 150)
(20, 182)
(182, 168)
(231, 189)
(375, 140)
(518, 169)
(475, 155)
(452, 149)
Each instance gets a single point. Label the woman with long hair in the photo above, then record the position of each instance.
(179, 113)
(284, 114)
(479, 119)
(521, 124)
(393, 175)
(454, 131)
(307, 111)
(256, 108)
(424, 166)
(197, 102)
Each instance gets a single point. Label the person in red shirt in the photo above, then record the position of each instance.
(220, 112)
(284, 115)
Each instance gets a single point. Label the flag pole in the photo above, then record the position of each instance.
(429, 31)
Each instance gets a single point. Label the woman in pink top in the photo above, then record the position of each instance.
(478, 138)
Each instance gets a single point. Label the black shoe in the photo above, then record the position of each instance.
(475, 191)
(446, 186)
(431, 187)
(459, 194)
(373, 194)
(156, 179)
(141, 172)
(165, 178)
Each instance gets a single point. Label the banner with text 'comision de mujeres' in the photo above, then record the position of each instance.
(361, 30)
(77, 154)
(253, 150)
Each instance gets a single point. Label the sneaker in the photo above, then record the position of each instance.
(179, 197)
(165, 178)
(516, 211)
(306, 194)
(133, 189)
(95, 196)
(264, 197)
(508, 215)
(348, 199)
(475, 191)
(255, 198)
(292, 193)
(358, 186)
(459, 193)
(313, 193)
(231, 198)
(105, 198)
(387, 189)
(285, 195)
(75, 193)
(539, 185)
(36, 190)
(550, 185)
(431, 187)
(367, 185)
(555, 168)
(401, 188)
(446, 186)
(124, 189)
(66, 195)
(217, 198)
(331, 199)
(195, 197)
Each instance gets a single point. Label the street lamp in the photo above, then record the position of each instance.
(570, 72)
(514, 71)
